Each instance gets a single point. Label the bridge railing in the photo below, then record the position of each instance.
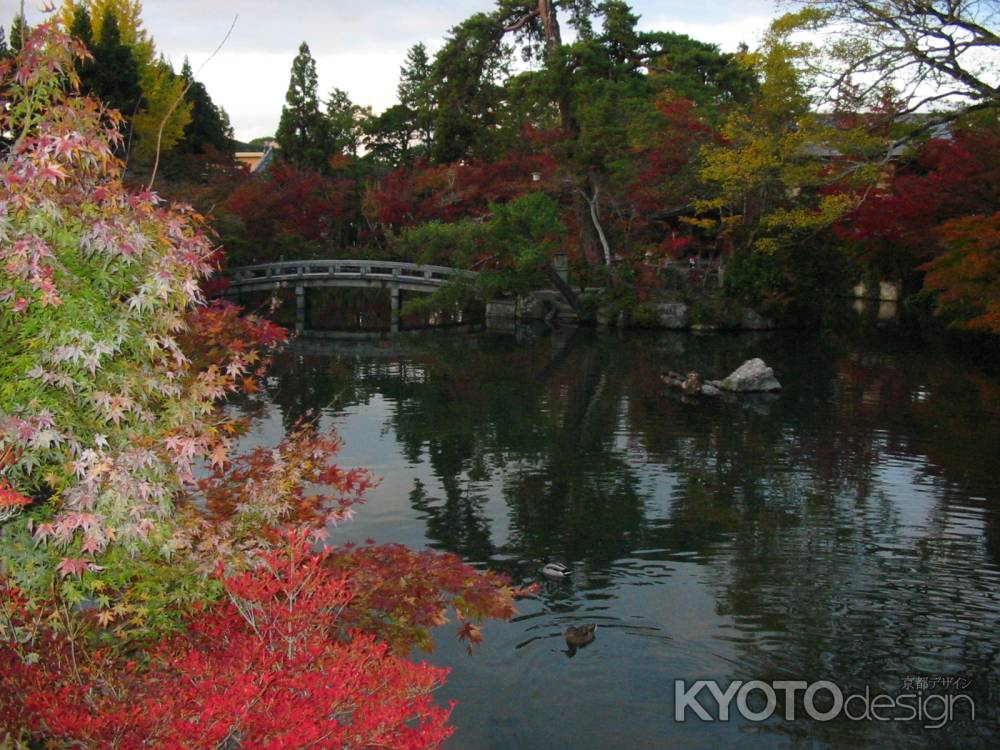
(301, 270)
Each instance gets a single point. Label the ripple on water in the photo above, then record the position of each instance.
(847, 529)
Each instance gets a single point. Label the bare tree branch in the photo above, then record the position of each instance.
(163, 123)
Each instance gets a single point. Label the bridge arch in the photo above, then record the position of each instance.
(303, 274)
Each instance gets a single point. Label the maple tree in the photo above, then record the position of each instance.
(930, 224)
(113, 369)
(413, 195)
(965, 275)
(290, 210)
(273, 664)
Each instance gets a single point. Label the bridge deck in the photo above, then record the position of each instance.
(393, 276)
(341, 272)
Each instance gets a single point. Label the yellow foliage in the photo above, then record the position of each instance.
(700, 223)
(129, 16)
(776, 160)
(161, 88)
(829, 209)
(766, 246)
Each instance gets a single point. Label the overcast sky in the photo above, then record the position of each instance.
(359, 45)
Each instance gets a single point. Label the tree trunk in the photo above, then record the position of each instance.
(595, 220)
(565, 289)
(550, 24)
(589, 242)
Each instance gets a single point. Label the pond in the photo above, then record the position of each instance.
(847, 529)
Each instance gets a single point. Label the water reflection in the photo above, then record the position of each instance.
(847, 529)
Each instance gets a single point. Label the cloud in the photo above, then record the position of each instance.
(330, 26)
(359, 45)
(727, 35)
(722, 22)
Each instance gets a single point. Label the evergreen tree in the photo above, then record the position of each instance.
(116, 74)
(18, 33)
(343, 122)
(82, 25)
(82, 28)
(302, 130)
(467, 76)
(388, 136)
(209, 127)
(4, 49)
(413, 75)
(414, 91)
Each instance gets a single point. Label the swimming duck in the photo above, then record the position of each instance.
(556, 571)
(579, 636)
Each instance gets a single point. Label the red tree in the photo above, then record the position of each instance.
(272, 665)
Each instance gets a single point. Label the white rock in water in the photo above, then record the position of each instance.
(710, 390)
(752, 375)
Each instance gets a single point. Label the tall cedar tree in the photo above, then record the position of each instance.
(112, 77)
(414, 91)
(302, 130)
(18, 30)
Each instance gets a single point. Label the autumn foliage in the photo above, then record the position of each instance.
(415, 194)
(937, 215)
(271, 665)
(159, 587)
(288, 210)
(965, 276)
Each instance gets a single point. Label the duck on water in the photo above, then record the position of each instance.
(556, 571)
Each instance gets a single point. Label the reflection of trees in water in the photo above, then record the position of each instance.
(822, 576)
(456, 522)
(300, 384)
(578, 498)
(821, 569)
(536, 427)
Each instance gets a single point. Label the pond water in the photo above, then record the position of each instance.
(847, 529)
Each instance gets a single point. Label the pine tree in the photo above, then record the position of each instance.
(302, 130)
(4, 49)
(388, 136)
(18, 33)
(414, 91)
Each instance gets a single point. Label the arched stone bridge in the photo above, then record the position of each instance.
(302, 274)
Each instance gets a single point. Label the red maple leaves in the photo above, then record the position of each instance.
(273, 664)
